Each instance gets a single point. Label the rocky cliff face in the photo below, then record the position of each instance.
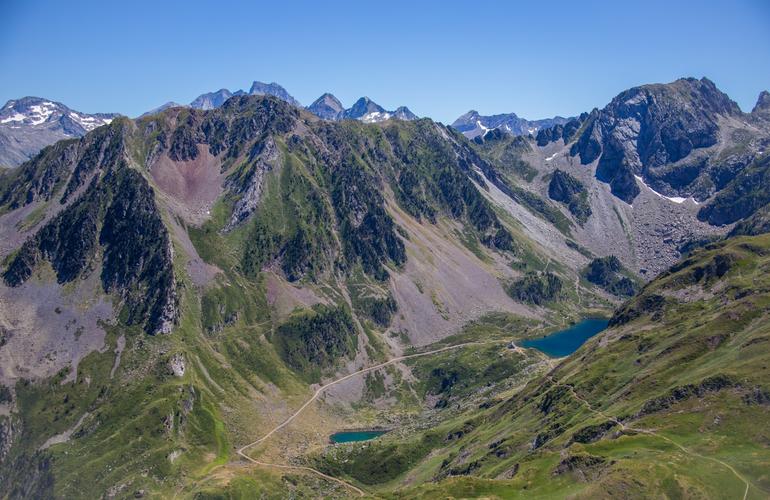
(663, 165)
(566, 132)
(762, 107)
(567, 189)
(743, 196)
(647, 131)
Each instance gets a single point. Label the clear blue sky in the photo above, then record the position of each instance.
(440, 58)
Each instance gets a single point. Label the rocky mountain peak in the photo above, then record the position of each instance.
(362, 107)
(470, 115)
(404, 113)
(327, 107)
(702, 96)
(331, 100)
(763, 104)
(645, 129)
(31, 123)
(366, 110)
(30, 111)
(260, 88)
(213, 100)
(37, 111)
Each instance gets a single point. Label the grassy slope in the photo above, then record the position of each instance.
(697, 365)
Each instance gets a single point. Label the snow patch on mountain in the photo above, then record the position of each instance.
(17, 117)
(472, 124)
(30, 123)
(89, 122)
(376, 117)
(675, 199)
(41, 112)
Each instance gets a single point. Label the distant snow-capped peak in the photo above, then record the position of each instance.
(35, 112)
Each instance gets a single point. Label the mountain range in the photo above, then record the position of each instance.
(472, 124)
(29, 124)
(329, 107)
(193, 302)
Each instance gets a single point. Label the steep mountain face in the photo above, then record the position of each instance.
(661, 166)
(671, 399)
(679, 138)
(743, 196)
(107, 218)
(210, 265)
(31, 123)
(762, 108)
(327, 107)
(566, 131)
(472, 124)
(565, 188)
(758, 223)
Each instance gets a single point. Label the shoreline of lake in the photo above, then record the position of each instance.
(564, 342)
(357, 435)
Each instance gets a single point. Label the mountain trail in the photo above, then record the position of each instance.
(320, 390)
(577, 288)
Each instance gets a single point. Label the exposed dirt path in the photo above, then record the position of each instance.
(577, 288)
(320, 390)
(655, 434)
(312, 470)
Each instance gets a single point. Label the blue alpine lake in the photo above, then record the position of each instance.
(353, 436)
(565, 342)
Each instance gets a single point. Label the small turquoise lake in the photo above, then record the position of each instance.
(565, 342)
(353, 436)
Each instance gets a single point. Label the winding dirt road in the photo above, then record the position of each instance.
(320, 390)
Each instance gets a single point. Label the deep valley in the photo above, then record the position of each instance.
(193, 302)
